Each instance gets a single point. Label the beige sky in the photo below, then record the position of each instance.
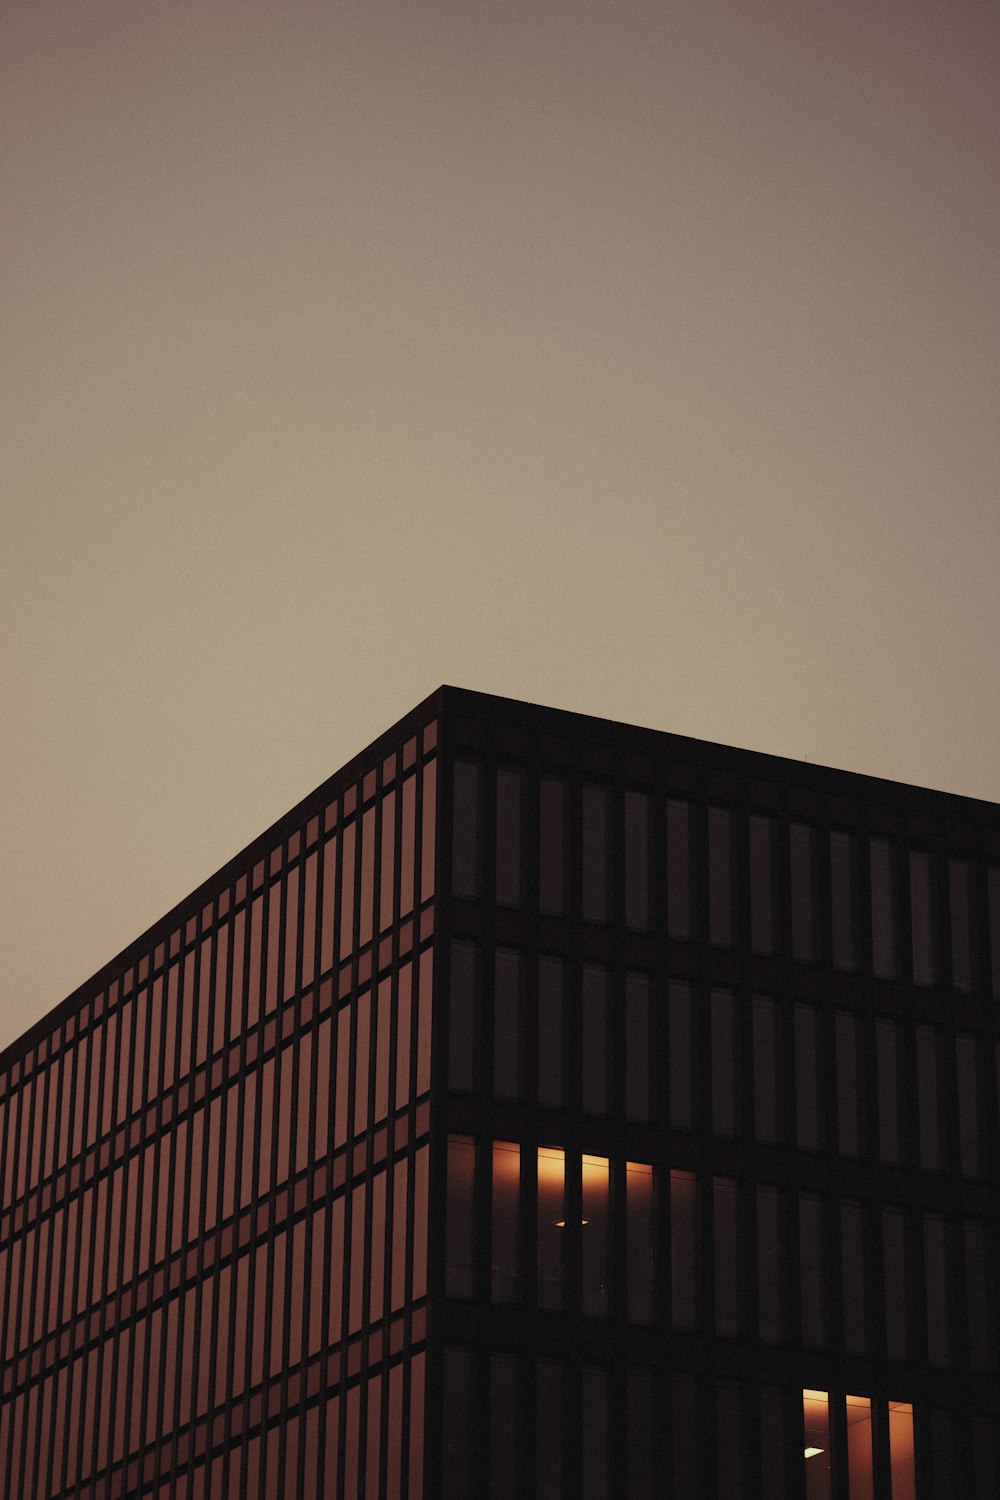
(639, 358)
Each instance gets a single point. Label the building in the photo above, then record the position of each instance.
(544, 1107)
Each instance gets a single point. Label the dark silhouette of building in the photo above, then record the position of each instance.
(545, 1107)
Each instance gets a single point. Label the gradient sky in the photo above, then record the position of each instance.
(641, 358)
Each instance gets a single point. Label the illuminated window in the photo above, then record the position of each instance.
(816, 1452)
(594, 1235)
(901, 1456)
(505, 1283)
(551, 1226)
(860, 1448)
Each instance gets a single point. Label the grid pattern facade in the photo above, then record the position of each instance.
(543, 1108)
(215, 1171)
(723, 1148)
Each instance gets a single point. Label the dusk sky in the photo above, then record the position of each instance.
(637, 358)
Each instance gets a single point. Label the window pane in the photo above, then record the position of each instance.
(552, 846)
(901, 1451)
(807, 1080)
(922, 918)
(860, 1448)
(548, 1431)
(765, 1070)
(456, 1467)
(993, 893)
(761, 884)
(683, 1247)
(978, 1298)
(506, 1024)
(887, 1067)
(812, 1260)
(928, 1102)
(460, 1218)
(883, 909)
(849, 1114)
(725, 1204)
(843, 901)
(639, 1446)
(506, 1284)
(466, 836)
(639, 1241)
(770, 1265)
(594, 1039)
(937, 1287)
(594, 1434)
(853, 1261)
(968, 1110)
(679, 870)
(773, 1461)
(638, 861)
(681, 1055)
(595, 854)
(510, 838)
(723, 1063)
(818, 1456)
(551, 1226)
(463, 1016)
(802, 863)
(730, 1466)
(687, 1420)
(640, 1053)
(505, 1428)
(894, 1262)
(720, 877)
(594, 1235)
(550, 1032)
(960, 902)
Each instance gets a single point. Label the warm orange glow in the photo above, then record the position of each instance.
(901, 1450)
(816, 1431)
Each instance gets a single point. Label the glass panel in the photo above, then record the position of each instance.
(770, 1265)
(510, 839)
(723, 1063)
(419, 1235)
(853, 1261)
(595, 854)
(550, 1032)
(808, 1092)
(901, 1455)
(860, 1448)
(456, 1466)
(843, 901)
(937, 1289)
(849, 1114)
(683, 1247)
(725, 1204)
(594, 1235)
(887, 1068)
(505, 1428)
(773, 1461)
(681, 1055)
(765, 1070)
(818, 1456)
(548, 1431)
(639, 1240)
(761, 884)
(894, 1263)
(812, 1260)
(720, 877)
(505, 1282)
(928, 1102)
(408, 846)
(729, 1441)
(428, 832)
(922, 918)
(977, 1296)
(993, 895)
(551, 1226)
(506, 1023)
(387, 862)
(463, 1017)
(960, 902)
(679, 870)
(640, 1051)
(802, 869)
(594, 1040)
(638, 861)
(639, 1446)
(367, 911)
(552, 846)
(883, 909)
(968, 1112)
(460, 1216)
(594, 1434)
(687, 1427)
(466, 836)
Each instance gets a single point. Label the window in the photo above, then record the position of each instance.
(726, 1237)
(456, 1458)
(849, 1102)
(723, 1063)
(463, 1016)
(808, 1093)
(883, 908)
(548, 1431)
(640, 1049)
(762, 937)
(594, 1235)
(812, 1260)
(802, 867)
(639, 1208)
(843, 901)
(505, 1283)
(721, 923)
(818, 1449)
(510, 837)
(765, 1070)
(895, 1273)
(937, 1286)
(770, 1265)
(595, 854)
(506, 1023)
(552, 846)
(854, 1261)
(466, 835)
(505, 1428)
(960, 905)
(887, 1069)
(679, 871)
(968, 1110)
(730, 1463)
(860, 1448)
(550, 1032)
(594, 1040)
(928, 1101)
(551, 1226)
(594, 1434)
(681, 1055)
(684, 1254)
(922, 918)
(638, 861)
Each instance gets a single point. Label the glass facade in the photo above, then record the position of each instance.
(544, 1108)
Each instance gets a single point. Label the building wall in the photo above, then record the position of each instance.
(214, 1173)
(722, 1166)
